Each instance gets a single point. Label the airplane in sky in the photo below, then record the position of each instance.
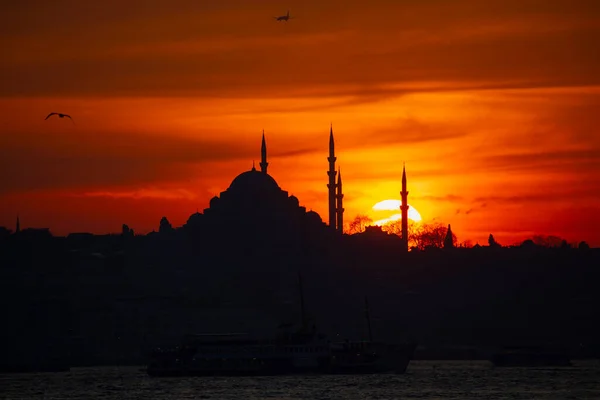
(284, 18)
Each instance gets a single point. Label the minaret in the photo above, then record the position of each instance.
(404, 209)
(263, 155)
(331, 185)
(18, 227)
(340, 209)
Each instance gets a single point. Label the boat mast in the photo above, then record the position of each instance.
(367, 316)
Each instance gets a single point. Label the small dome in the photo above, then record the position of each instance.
(195, 218)
(253, 180)
(314, 217)
(294, 201)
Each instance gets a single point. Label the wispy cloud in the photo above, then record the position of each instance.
(99, 159)
(145, 193)
(411, 130)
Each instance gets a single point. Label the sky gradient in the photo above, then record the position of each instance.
(493, 105)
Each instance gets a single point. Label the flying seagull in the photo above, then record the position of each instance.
(284, 18)
(60, 116)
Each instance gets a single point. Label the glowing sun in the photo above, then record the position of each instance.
(394, 205)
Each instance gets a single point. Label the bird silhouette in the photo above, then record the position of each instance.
(59, 115)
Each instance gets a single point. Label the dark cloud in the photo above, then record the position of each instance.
(590, 192)
(94, 159)
(200, 50)
(464, 212)
(566, 161)
(369, 174)
(446, 198)
(411, 130)
(292, 153)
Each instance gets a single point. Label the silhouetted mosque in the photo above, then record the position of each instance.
(255, 206)
(255, 202)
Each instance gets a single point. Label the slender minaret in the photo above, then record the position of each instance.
(263, 155)
(404, 209)
(331, 185)
(340, 209)
(18, 227)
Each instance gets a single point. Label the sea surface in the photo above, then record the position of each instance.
(423, 380)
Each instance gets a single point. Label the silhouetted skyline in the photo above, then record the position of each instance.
(491, 106)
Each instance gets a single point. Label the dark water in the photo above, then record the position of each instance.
(424, 380)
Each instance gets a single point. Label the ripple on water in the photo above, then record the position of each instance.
(423, 380)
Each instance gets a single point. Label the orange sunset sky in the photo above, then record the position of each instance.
(494, 106)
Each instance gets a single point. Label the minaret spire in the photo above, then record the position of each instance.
(331, 185)
(339, 207)
(404, 209)
(18, 225)
(263, 155)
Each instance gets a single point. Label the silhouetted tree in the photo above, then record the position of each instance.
(395, 228)
(165, 226)
(422, 235)
(432, 235)
(359, 223)
(547, 241)
(466, 244)
(528, 244)
(492, 242)
(583, 246)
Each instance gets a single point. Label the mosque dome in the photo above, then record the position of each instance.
(252, 181)
(314, 217)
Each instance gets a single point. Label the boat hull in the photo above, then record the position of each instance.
(395, 360)
(238, 367)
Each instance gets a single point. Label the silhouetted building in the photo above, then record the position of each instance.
(448, 241)
(35, 233)
(126, 231)
(404, 209)
(336, 210)
(254, 203)
(340, 208)
(331, 185)
(165, 226)
(263, 155)
(4, 232)
(254, 206)
(18, 226)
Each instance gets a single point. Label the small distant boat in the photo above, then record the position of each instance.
(530, 357)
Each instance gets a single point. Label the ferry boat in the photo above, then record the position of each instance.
(301, 352)
(237, 354)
